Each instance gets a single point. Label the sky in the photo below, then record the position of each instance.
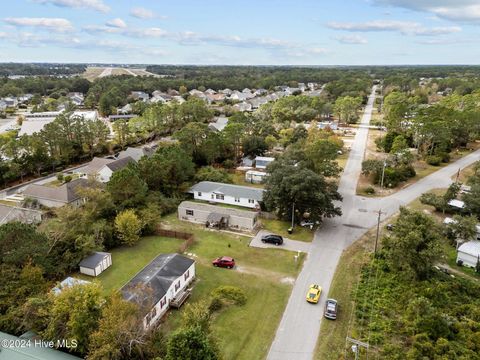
(246, 32)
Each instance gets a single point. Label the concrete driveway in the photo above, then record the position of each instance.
(291, 245)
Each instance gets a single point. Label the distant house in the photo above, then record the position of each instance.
(159, 285)
(13, 213)
(255, 177)
(215, 97)
(198, 94)
(102, 169)
(35, 122)
(113, 118)
(50, 196)
(456, 204)
(219, 124)
(127, 109)
(257, 102)
(136, 153)
(67, 283)
(247, 161)
(260, 92)
(29, 350)
(139, 96)
(243, 106)
(76, 98)
(244, 196)
(469, 253)
(332, 125)
(261, 162)
(96, 263)
(239, 96)
(217, 216)
(11, 102)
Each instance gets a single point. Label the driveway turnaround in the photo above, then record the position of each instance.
(292, 245)
(299, 327)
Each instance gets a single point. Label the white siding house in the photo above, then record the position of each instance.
(245, 196)
(160, 284)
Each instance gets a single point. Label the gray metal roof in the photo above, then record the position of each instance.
(119, 164)
(470, 247)
(156, 277)
(136, 153)
(65, 193)
(93, 260)
(95, 165)
(225, 211)
(237, 191)
(14, 213)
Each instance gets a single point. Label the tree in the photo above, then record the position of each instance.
(191, 343)
(209, 173)
(395, 107)
(120, 332)
(463, 228)
(127, 188)
(346, 108)
(414, 245)
(289, 186)
(128, 227)
(254, 145)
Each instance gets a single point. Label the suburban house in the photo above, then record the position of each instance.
(24, 215)
(469, 253)
(255, 177)
(261, 162)
(227, 194)
(217, 216)
(161, 284)
(243, 106)
(51, 196)
(68, 282)
(136, 153)
(96, 263)
(219, 124)
(139, 95)
(102, 169)
(29, 350)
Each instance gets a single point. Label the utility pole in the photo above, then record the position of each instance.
(379, 212)
(383, 173)
(356, 346)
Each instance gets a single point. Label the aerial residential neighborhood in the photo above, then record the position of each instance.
(190, 180)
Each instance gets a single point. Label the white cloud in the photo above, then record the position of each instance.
(116, 23)
(351, 39)
(404, 27)
(142, 13)
(152, 32)
(51, 24)
(97, 5)
(456, 10)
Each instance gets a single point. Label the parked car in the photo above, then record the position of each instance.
(307, 223)
(313, 294)
(272, 239)
(331, 309)
(224, 261)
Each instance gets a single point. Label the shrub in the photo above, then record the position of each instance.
(230, 294)
(434, 160)
(215, 304)
(369, 190)
(60, 177)
(67, 179)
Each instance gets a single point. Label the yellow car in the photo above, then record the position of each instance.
(313, 294)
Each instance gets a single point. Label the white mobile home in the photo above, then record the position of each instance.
(261, 162)
(468, 253)
(245, 196)
(161, 284)
(255, 177)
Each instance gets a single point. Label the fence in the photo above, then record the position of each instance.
(188, 237)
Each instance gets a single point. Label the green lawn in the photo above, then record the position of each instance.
(238, 178)
(280, 227)
(265, 275)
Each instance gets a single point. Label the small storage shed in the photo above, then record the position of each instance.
(255, 177)
(469, 253)
(96, 263)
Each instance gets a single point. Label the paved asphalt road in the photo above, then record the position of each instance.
(292, 245)
(299, 327)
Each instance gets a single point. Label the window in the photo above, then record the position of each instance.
(213, 196)
(163, 302)
(220, 197)
(199, 193)
(237, 199)
(187, 274)
(251, 201)
(177, 286)
(189, 212)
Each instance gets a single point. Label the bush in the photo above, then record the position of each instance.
(215, 304)
(433, 160)
(230, 294)
(67, 179)
(369, 190)
(60, 177)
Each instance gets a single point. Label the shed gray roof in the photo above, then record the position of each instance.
(157, 276)
(237, 191)
(136, 153)
(93, 260)
(65, 193)
(225, 211)
(119, 164)
(95, 165)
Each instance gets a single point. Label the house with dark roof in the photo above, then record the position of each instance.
(215, 192)
(102, 169)
(96, 263)
(51, 196)
(162, 283)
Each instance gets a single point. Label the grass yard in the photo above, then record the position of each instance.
(238, 178)
(280, 227)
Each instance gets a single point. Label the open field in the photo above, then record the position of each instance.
(92, 73)
(266, 276)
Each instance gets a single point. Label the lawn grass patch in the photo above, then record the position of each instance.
(280, 227)
(238, 178)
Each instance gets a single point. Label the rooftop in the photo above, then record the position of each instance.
(470, 247)
(93, 260)
(237, 191)
(225, 211)
(66, 193)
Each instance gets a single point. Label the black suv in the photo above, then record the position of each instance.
(272, 239)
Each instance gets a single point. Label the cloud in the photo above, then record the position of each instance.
(142, 13)
(116, 23)
(351, 39)
(51, 24)
(455, 10)
(152, 32)
(192, 38)
(97, 5)
(404, 27)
